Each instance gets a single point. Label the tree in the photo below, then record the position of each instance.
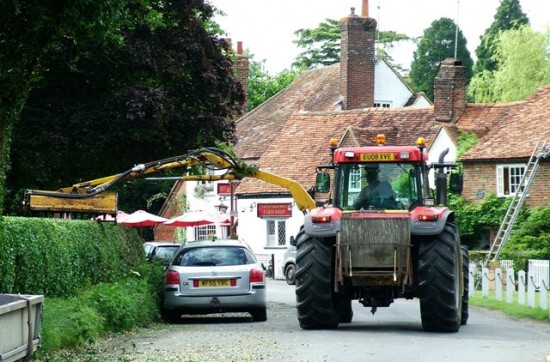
(29, 30)
(262, 85)
(437, 43)
(322, 45)
(508, 16)
(167, 89)
(524, 65)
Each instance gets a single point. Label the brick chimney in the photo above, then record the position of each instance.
(358, 59)
(449, 90)
(242, 68)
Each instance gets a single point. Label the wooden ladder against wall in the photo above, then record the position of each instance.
(518, 199)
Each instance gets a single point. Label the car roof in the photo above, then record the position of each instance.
(163, 243)
(213, 243)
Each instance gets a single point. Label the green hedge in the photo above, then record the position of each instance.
(56, 257)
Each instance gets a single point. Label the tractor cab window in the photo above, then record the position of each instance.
(390, 186)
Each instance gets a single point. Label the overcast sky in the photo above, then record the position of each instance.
(266, 27)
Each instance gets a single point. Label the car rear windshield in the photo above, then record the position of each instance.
(212, 256)
(166, 252)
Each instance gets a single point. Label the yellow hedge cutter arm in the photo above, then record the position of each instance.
(91, 197)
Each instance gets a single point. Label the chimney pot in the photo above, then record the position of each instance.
(365, 9)
(240, 48)
(352, 11)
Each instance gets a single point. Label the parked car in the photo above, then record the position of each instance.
(289, 265)
(214, 276)
(161, 250)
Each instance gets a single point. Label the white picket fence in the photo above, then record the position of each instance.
(504, 280)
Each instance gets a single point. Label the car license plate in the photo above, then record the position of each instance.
(214, 283)
(377, 157)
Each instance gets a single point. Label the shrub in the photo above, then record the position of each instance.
(69, 323)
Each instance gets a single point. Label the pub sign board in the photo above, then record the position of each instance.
(224, 189)
(274, 210)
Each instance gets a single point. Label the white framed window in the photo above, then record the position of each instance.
(508, 178)
(205, 232)
(275, 233)
(355, 180)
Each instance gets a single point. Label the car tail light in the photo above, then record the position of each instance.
(256, 275)
(172, 277)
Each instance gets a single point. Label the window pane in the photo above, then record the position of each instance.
(270, 233)
(282, 232)
(205, 232)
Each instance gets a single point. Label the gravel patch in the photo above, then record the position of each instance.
(215, 337)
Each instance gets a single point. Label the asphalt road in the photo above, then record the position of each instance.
(392, 334)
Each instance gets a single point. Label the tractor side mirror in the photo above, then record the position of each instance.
(322, 182)
(456, 181)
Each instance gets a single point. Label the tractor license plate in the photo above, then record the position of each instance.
(373, 157)
(214, 283)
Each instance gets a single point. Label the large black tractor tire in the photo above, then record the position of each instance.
(439, 269)
(465, 295)
(314, 297)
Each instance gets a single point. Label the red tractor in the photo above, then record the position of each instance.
(382, 235)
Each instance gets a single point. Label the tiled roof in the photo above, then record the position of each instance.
(316, 90)
(302, 143)
(518, 126)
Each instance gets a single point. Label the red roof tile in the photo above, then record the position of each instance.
(302, 143)
(518, 126)
(316, 90)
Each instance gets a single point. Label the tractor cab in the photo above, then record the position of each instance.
(378, 177)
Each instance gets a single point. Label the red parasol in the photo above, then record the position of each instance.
(197, 218)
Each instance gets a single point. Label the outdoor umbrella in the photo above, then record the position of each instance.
(107, 217)
(197, 218)
(141, 219)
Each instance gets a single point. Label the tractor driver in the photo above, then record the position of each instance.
(377, 194)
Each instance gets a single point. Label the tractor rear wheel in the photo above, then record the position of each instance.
(439, 269)
(314, 298)
(465, 295)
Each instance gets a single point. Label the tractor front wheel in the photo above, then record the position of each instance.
(314, 297)
(440, 271)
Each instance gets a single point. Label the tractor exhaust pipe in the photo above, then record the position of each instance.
(441, 180)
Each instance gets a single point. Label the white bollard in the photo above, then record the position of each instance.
(543, 292)
(510, 285)
(498, 284)
(531, 288)
(485, 283)
(471, 280)
(521, 287)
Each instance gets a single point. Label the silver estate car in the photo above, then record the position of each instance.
(218, 276)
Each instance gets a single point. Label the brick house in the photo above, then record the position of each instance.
(498, 160)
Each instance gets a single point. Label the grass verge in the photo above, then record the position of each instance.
(514, 309)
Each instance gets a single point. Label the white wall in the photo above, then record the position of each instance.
(442, 141)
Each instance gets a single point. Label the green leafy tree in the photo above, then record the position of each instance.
(530, 238)
(437, 43)
(322, 45)
(508, 16)
(166, 89)
(29, 31)
(524, 65)
(262, 85)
